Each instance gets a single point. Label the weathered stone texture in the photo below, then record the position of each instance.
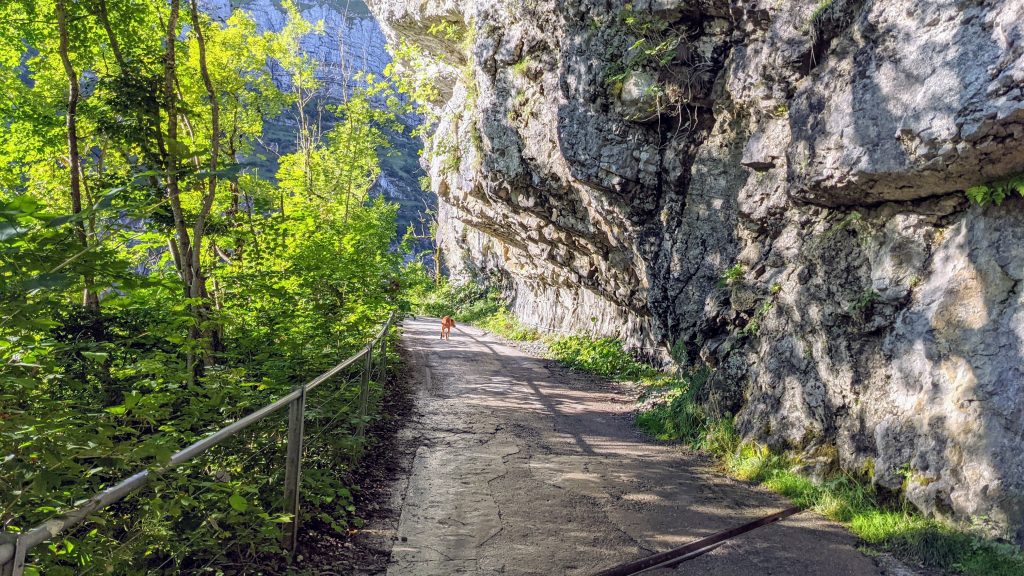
(825, 148)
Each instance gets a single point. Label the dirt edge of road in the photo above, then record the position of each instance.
(366, 551)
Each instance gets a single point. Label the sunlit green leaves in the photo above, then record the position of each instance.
(298, 274)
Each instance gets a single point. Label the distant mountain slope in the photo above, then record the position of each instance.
(352, 40)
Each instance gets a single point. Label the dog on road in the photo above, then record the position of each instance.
(446, 327)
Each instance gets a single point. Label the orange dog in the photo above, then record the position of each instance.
(446, 327)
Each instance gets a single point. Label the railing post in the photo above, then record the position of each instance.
(293, 469)
(15, 566)
(384, 356)
(364, 391)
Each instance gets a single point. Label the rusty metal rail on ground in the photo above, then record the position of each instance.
(14, 547)
(694, 549)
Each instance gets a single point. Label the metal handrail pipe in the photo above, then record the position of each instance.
(53, 527)
(312, 384)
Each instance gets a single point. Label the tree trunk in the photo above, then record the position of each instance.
(184, 244)
(437, 264)
(198, 289)
(90, 299)
(104, 17)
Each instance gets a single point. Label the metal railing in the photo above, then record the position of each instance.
(15, 546)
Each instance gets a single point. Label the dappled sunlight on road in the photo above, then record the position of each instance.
(527, 468)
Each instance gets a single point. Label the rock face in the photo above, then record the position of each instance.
(351, 37)
(770, 189)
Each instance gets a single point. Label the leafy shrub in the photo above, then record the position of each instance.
(504, 323)
(472, 304)
(466, 302)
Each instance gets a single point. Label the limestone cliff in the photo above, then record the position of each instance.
(773, 189)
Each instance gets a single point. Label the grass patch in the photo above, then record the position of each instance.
(602, 356)
(892, 527)
(506, 324)
(676, 413)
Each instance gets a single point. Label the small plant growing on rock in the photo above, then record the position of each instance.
(819, 10)
(865, 301)
(519, 68)
(780, 111)
(996, 192)
(732, 276)
(447, 30)
(754, 325)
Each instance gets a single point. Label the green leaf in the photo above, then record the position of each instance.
(24, 204)
(238, 502)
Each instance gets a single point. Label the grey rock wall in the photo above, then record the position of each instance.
(822, 147)
(352, 40)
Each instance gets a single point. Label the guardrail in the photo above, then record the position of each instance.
(15, 547)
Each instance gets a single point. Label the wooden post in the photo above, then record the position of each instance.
(364, 391)
(293, 470)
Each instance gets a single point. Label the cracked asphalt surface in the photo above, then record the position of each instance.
(523, 467)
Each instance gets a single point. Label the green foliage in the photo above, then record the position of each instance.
(471, 304)
(448, 151)
(416, 74)
(732, 275)
(820, 10)
(641, 43)
(295, 276)
(996, 192)
(677, 413)
(780, 111)
(520, 67)
(865, 300)
(453, 31)
(506, 324)
(602, 356)
(899, 530)
(754, 324)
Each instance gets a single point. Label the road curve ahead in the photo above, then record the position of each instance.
(526, 468)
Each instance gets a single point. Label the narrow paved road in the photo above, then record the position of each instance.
(526, 468)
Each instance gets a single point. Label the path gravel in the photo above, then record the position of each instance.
(522, 467)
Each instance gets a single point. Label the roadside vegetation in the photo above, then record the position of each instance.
(155, 286)
(674, 407)
(470, 304)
